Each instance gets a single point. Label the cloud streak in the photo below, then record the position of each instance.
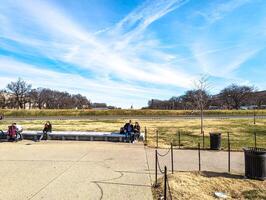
(128, 56)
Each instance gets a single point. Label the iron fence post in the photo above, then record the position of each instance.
(254, 116)
(157, 138)
(179, 139)
(229, 152)
(172, 158)
(199, 156)
(146, 132)
(165, 183)
(156, 161)
(203, 145)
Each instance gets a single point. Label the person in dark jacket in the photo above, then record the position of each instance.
(136, 130)
(128, 129)
(47, 129)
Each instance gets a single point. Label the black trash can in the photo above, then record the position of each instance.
(215, 141)
(255, 163)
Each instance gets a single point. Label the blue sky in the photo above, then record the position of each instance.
(126, 52)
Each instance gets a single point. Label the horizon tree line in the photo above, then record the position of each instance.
(21, 95)
(231, 97)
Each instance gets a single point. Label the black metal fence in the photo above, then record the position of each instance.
(250, 167)
(158, 169)
(180, 134)
(169, 152)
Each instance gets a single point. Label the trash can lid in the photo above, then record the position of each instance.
(254, 150)
(215, 133)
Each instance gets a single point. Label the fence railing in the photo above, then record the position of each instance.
(158, 169)
(158, 166)
(178, 141)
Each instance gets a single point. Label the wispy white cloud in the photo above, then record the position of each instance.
(219, 11)
(70, 43)
(127, 56)
(133, 25)
(223, 61)
(97, 90)
(222, 51)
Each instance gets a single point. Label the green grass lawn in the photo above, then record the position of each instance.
(241, 130)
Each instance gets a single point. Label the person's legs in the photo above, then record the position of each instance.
(45, 135)
(16, 137)
(137, 136)
(20, 136)
(2, 135)
(41, 136)
(127, 136)
(131, 137)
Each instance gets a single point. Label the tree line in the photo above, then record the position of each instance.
(231, 97)
(20, 94)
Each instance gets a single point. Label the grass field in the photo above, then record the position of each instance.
(122, 112)
(242, 130)
(199, 186)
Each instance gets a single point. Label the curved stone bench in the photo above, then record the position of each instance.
(76, 135)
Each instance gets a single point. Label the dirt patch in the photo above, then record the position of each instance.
(203, 185)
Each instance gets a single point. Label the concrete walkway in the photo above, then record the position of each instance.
(73, 170)
(187, 160)
(93, 170)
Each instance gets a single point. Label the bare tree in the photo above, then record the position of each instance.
(81, 101)
(201, 97)
(235, 95)
(2, 99)
(20, 89)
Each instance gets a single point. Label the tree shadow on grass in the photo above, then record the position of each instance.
(221, 174)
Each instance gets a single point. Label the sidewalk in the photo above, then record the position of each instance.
(73, 170)
(94, 170)
(187, 160)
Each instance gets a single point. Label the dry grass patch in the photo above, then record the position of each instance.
(241, 136)
(122, 112)
(199, 186)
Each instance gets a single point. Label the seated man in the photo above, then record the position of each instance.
(136, 129)
(128, 129)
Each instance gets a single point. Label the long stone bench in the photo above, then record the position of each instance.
(76, 135)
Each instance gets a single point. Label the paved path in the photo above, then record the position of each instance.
(93, 170)
(73, 170)
(187, 160)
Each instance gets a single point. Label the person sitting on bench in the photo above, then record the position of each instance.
(47, 128)
(136, 130)
(128, 130)
(2, 134)
(12, 133)
(19, 131)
